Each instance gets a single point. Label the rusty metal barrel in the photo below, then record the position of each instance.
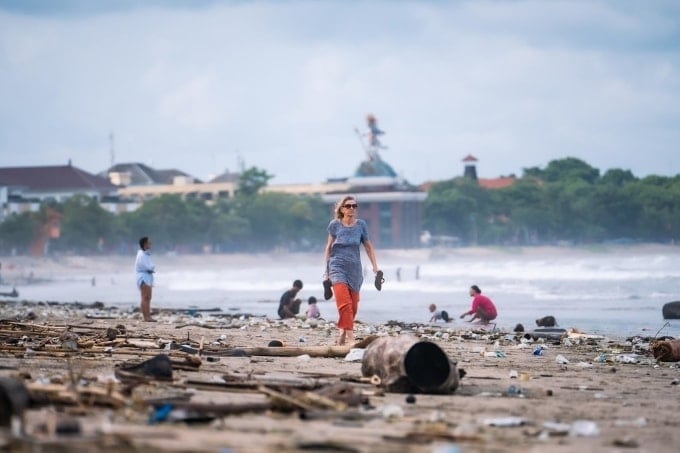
(405, 364)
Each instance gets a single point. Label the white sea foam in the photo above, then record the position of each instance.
(602, 291)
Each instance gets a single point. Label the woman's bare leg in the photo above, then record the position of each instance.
(349, 337)
(341, 339)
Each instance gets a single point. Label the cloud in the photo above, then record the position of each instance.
(283, 84)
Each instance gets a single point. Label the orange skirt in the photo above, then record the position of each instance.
(347, 302)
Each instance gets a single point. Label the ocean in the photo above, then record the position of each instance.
(615, 291)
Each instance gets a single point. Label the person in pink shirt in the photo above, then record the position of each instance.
(482, 307)
(312, 309)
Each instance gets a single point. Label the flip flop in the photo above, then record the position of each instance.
(327, 289)
(379, 280)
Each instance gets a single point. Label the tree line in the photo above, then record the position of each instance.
(568, 200)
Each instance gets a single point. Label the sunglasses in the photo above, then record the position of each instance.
(350, 206)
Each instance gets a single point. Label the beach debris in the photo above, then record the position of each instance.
(515, 391)
(158, 367)
(406, 364)
(639, 422)
(584, 428)
(355, 355)
(666, 350)
(410, 399)
(513, 374)
(201, 412)
(626, 442)
(561, 360)
(286, 351)
(392, 411)
(275, 344)
(556, 429)
(14, 399)
(538, 350)
(626, 358)
(85, 393)
(506, 422)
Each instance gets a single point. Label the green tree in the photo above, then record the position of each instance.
(84, 224)
(171, 222)
(17, 231)
(252, 180)
(570, 168)
(452, 211)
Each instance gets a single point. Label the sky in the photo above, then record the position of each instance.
(205, 86)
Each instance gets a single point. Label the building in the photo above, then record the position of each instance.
(390, 205)
(24, 188)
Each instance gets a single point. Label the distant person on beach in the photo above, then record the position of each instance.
(289, 305)
(438, 315)
(342, 259)
(482, 307)
(312, 310)
(144, 268)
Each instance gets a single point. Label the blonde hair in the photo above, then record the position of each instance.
(339, 204)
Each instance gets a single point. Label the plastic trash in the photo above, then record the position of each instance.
(557, 428)
(506, 422)
(160, 414)
(639, 422)
(447, 448)
(538, 350)
(392, 411)
(584, 428)
(514, 374)
(515, 391)
(304, 358)
(625, 358)
(355, 355)
(561, 360)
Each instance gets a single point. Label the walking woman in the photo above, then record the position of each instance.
(342, 258)
(144, 268)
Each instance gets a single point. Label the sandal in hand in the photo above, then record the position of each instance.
(327, 289)
(379, 280)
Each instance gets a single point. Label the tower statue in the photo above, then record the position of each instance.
(370, 141)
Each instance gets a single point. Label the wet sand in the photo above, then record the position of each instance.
(610, 396)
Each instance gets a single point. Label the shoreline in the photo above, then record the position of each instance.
(252, 283)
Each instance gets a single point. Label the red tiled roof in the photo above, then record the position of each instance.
(469, 158)
(496, 183)
(48, 178)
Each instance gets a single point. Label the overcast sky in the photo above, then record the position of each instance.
(282, 85)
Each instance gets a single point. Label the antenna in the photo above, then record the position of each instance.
(112, 149)
(240, 163)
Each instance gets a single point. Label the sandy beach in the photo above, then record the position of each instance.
(583, 393)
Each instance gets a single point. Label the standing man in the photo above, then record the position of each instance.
(482, 307)
(144, 269)
(289, 305)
